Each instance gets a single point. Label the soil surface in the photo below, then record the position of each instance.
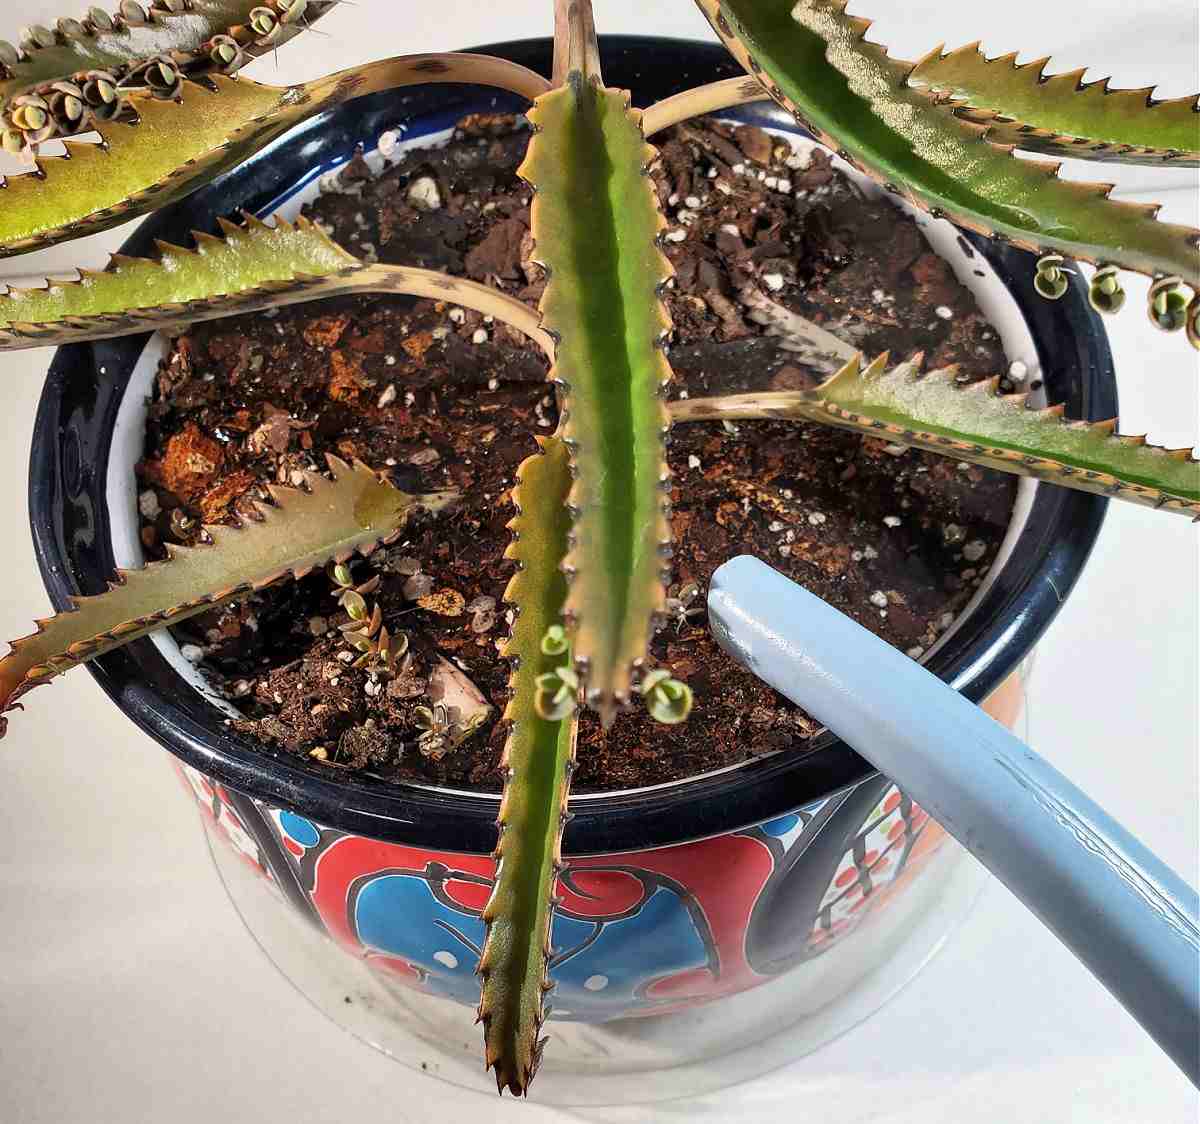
(443, 399)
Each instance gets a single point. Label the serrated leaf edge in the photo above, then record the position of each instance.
(515, 1062)
(355, 494)
(816, 405)
(1008, 128)
(712, 11)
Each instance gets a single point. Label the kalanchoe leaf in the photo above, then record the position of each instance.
(179, 145)
(117, 46)
(1060, 113)
(974, 423)
(331, 519)
(595, 222)
(253, 267)
(537, 764)
(814, 59)
(245, 260)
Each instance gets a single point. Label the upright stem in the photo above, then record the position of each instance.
(575, 46)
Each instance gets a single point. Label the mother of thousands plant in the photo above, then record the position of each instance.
(156, 82)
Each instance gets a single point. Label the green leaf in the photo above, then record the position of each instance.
(252, 267)
(1060, 113)
(595, 223)
(815, 61)
(973, 423)
(173, 148)
(177, 146)
(247, 258)
(537, 766)
(182, 34)
(329, 521)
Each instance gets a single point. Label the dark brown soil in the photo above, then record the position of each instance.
(443, 400)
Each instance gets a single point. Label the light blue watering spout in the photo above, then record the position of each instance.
(1131, 919)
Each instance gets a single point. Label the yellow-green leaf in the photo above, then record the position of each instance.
(182, 34)
(595, 222)
(537, 766)
(329, 520)
(177, 146)
(172, 149)
(253, 267)
(1060, 113)
(974, 423)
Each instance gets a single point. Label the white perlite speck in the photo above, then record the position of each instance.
(945, 312)
(148, 504)
(693, 461)
(479, 336)
(423, 194)
(891, 520)
(879, 599)
(388, 396)
(816, 518)
(675, 235)
(193, 653)
(773, 281)
(974, 550)
(1017, 371)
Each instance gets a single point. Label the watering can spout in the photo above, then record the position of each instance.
(1131, 919)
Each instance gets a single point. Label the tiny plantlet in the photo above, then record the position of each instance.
(158, 83)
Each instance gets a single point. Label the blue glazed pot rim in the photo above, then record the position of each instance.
(70, 527)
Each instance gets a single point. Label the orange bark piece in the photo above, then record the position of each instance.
(325, 331)
(347, 378)
(416, 345)
(190, 464)
(215, 502)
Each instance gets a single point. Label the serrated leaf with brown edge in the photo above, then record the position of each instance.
(176, 147)
(179, 34)
(1060, 114)
(595, 223)
(250, 268)
(973, 423)
(537, 765)
(813, 59)
(328, 521)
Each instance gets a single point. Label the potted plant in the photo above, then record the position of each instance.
(593, 522)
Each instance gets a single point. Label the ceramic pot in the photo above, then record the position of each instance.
(750, 913)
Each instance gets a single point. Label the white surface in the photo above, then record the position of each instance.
(129, 991)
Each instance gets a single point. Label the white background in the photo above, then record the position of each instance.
(129, 991)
